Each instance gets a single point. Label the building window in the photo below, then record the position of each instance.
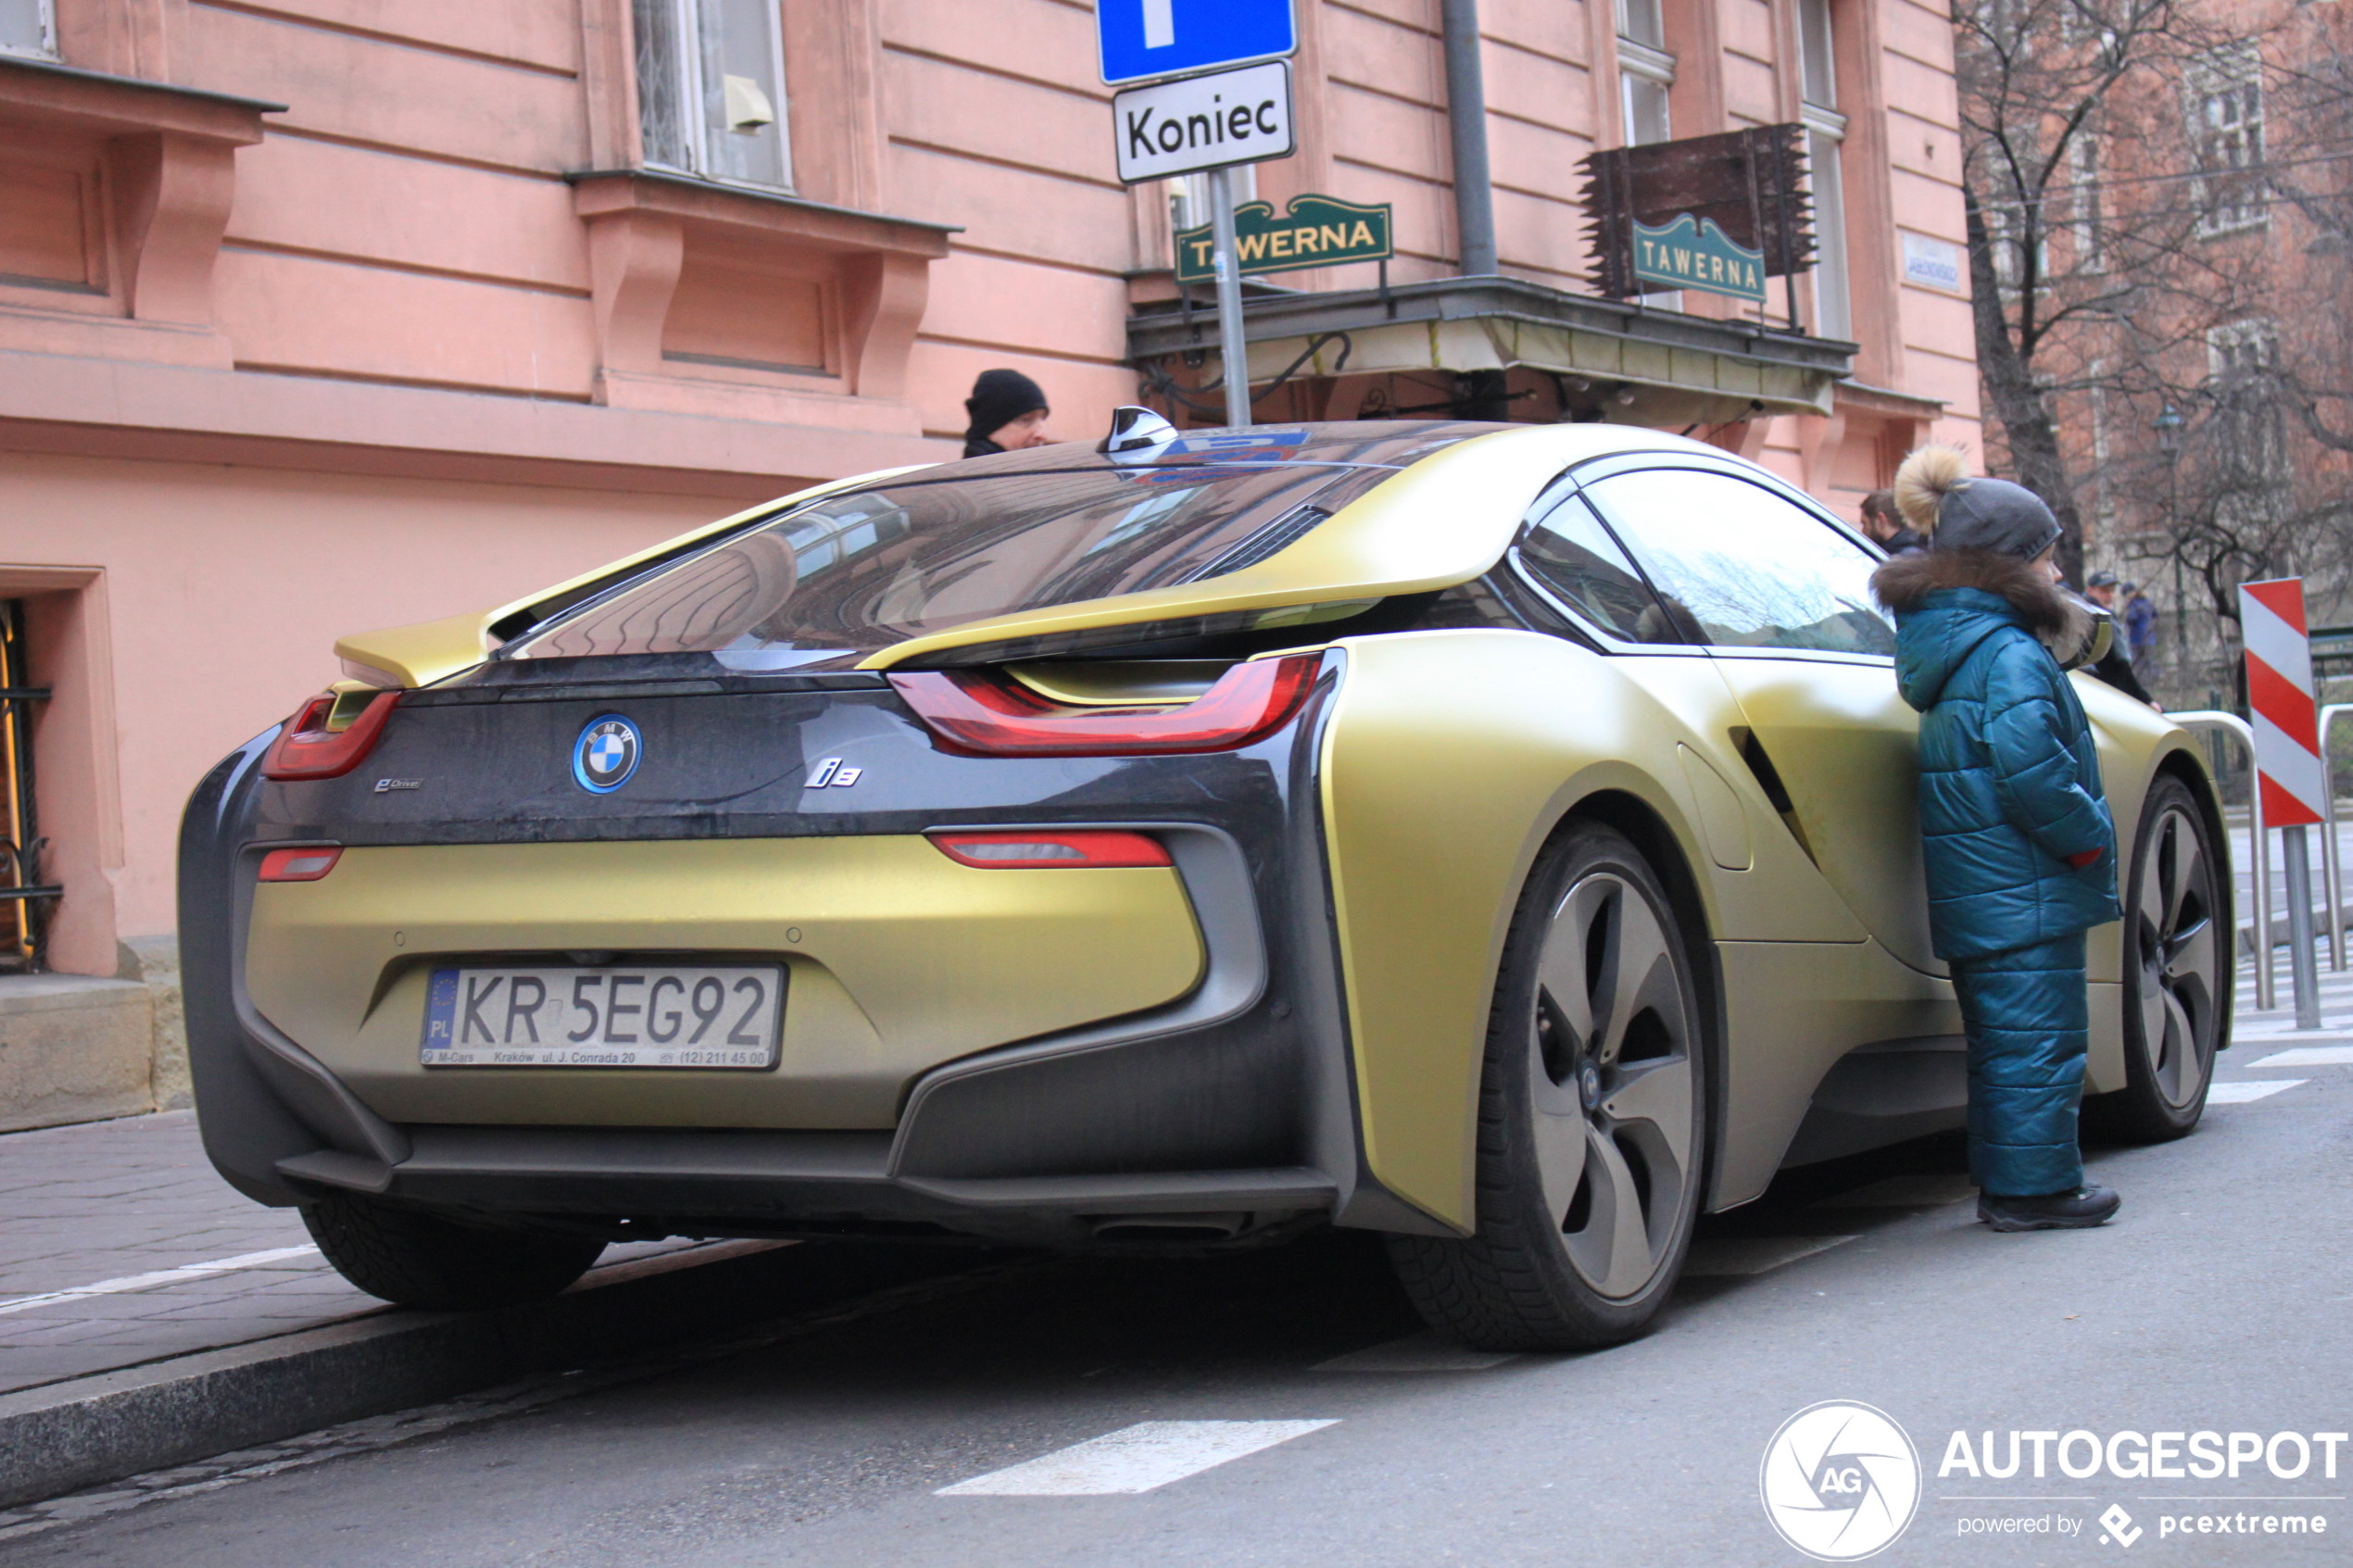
(29, 26)
(1645, 72)
(2224, 100)
(1825, 136)
(710, 94)
(2083, 167)
(1188, 196)
(2252, 444)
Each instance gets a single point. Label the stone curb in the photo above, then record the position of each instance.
(62, 1436)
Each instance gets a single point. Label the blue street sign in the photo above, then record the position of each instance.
(1143, 39)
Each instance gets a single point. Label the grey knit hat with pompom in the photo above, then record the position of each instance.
(1953, 511)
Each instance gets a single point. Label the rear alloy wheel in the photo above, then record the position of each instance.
(421, 1260)
(1592, 1123)
(2177, 974)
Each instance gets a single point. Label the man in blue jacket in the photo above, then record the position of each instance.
(2020, 849)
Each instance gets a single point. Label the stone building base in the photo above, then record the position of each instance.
(78, 1047)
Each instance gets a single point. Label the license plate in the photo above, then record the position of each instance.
(653, 1015)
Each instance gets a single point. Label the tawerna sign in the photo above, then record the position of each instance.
(1316, 232)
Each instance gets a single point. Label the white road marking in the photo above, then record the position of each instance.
(2310, 1055)
(1417, 1352)
(1904, 1192)
(1134, 1458)
(2239, 1094)
(161, 1277)
(1729, 1256)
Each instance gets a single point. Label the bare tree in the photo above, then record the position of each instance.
(2063, 261)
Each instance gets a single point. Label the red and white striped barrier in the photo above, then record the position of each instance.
(2279, 701)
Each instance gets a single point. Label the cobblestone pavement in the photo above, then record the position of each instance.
(120, 1245)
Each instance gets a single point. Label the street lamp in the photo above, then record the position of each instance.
(2168, 426)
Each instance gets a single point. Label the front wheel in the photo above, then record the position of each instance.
(420, 1260)
(1592, 1117)
(2177, 974)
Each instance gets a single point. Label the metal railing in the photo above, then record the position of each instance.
(2215, 723)
(2331, 872)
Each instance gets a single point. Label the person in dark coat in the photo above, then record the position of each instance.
(1885, 524)
(2116, 666)
(1008, 413)
(2020, 849)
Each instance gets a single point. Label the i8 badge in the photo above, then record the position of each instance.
(606, 753)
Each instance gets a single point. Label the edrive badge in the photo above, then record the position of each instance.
(606, 753)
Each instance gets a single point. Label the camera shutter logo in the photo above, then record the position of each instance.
(1840, 1481)
(606, 753)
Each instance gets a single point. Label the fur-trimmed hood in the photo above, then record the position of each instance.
(1937, 636)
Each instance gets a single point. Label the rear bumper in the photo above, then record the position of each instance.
(803, 1184)
(1234, 1100)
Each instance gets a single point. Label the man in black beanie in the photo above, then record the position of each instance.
(1008, 414)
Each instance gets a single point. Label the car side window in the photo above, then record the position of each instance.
(1571, 555)
(1743, 567)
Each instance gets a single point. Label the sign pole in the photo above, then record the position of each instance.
(1233, 347)
(2303, 964)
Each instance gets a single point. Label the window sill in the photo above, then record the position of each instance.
(709, 289)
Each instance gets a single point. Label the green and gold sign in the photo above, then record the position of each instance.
(1688, 255)
(1317, 231)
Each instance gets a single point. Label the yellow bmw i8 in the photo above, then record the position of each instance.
(1498, 836)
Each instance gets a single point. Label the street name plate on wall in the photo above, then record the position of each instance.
(1684, 255)
(1173, 128)
(1700, 213)
(1316, 231)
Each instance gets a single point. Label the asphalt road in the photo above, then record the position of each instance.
(2220, 1300)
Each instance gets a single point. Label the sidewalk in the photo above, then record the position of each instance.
(119, 1246)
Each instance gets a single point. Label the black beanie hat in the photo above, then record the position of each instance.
(1955, 513)
(999, 398)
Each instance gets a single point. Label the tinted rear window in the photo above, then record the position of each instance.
(829, 583)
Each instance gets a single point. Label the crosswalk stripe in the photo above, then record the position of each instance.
(2240, 1093)
(2309, 1056)
(1141, 1458)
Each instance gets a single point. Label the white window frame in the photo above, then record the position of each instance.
(689, 84)
(1644, 69)
(2222, 103)
(46, 49)
(1825, 141)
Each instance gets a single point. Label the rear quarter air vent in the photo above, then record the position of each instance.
(1768, 779)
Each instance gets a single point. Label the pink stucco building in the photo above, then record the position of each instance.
(319, 314)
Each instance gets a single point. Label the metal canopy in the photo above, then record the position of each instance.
(1661, 367)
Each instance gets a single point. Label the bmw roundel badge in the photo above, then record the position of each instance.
(606, 753)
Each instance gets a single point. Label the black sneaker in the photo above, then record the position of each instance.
(2078, 1210)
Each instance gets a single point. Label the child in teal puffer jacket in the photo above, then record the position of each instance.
(2019, 849)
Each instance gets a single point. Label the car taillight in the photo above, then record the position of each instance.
(313, 746)
(305, 864)
(1006, 851)
(980, 713)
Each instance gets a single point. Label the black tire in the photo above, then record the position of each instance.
(1558, 1106)
(2178, 972)
(416, 1259)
